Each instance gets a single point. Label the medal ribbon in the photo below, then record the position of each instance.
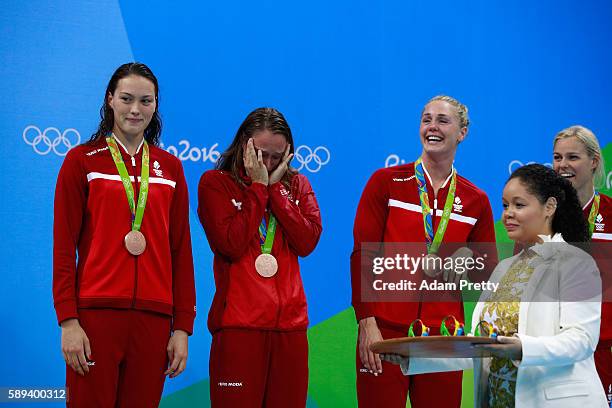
(266, 235)
(593, 213)
(434, 241)
(137, 210)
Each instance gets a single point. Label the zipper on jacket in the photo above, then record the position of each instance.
(136, 193)
(433, 215)
(419, 307)
(278, 292)
(135, 280)
(433, 225)
(280, 302)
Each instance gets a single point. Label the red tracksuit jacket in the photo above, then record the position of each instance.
(602, 235)
(390, 211)
(230, 215)
(92, 216)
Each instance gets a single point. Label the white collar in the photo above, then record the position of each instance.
(544, 249)
(552, 238)
(124, 148)
(589, 202)
(445, 181)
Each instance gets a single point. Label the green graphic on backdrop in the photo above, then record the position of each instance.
(606, 187)
(332, 346)
(332, 363)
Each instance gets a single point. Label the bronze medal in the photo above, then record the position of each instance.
(266, 265)
(135, 242)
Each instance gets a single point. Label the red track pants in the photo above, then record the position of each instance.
(129, 351)
(258, 368)
(390, 388)
(603, 363)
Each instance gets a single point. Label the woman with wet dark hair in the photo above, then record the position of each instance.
(153, 129)
(545, 312)
(123, 284)
(259, 216)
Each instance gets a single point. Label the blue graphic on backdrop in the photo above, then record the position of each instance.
(56, 59)
(351, 78)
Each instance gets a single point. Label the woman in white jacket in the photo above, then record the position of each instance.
(546, 308)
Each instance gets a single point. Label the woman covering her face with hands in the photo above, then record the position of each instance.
(546, 309)
(259, 215)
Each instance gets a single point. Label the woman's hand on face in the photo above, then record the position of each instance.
(281, 169)
(506, 347)
(369, 333)
(75, 346)
(254, 165)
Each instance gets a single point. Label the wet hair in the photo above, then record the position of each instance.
(153, 131)
(259, 120)
(462, 110)
(543, 182)
(591, 145)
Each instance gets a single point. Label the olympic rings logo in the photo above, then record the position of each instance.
(515, 164)
(51, 139)
(394, 160)
(311, 159)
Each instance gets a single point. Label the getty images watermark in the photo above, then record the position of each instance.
(457, 265)
(408, 272)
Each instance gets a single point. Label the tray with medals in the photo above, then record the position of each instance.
(434, 346)
(452, 343)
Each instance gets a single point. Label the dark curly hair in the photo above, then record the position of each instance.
(260, 119)
(153, 131)
(543, 182)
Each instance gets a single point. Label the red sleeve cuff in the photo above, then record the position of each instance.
(278, 190)
(261, 191)
(183, 321)
(259, 188)
(362, 311)
(66, 310)
(276, 186)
